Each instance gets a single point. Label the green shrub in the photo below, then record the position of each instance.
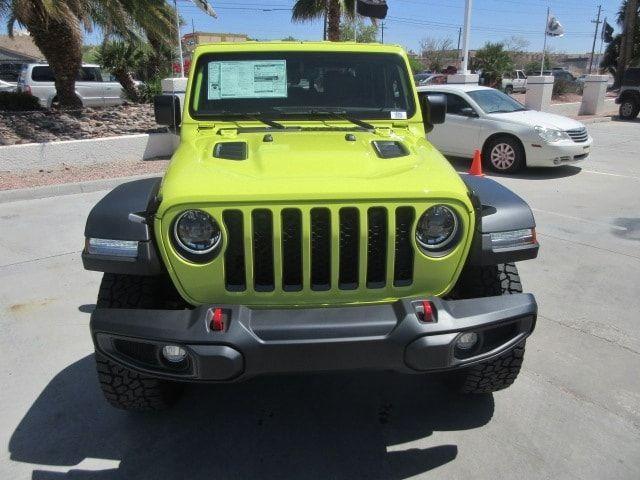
(18, 102)
(149, 89)
(561, 87)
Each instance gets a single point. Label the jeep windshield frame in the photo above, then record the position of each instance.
(351, 85)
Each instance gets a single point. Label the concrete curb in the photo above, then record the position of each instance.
(7, 196)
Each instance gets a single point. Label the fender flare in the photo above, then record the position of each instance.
(498, 209)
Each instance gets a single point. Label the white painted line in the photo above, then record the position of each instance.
(611, 174)
(603, 224)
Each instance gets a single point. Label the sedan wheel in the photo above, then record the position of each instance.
(504, 154)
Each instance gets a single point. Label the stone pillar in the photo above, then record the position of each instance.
(467, 78)
(175, 86)
(539, 89)
(595, 88)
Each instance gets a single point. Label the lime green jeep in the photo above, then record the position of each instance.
(305, 224)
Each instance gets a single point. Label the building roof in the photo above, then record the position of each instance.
(20, 46)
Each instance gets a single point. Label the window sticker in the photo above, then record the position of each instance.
(247, 79)
(398, 115)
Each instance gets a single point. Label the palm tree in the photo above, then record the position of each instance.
(306, 10)
(56, 28)
(121, 58)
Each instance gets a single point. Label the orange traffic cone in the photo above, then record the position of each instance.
(476, 165)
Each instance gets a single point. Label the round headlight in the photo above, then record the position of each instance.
(437, 228)
(197, 232)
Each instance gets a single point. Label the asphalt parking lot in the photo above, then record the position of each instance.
(573, 413)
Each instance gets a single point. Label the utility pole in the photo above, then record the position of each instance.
(465, 38)
(193, 27)
(324, 31)
(382, 28)
(626, 46)
(459, 35)
(355, 21)
(544, 45)
(175, 5)
(595, 36)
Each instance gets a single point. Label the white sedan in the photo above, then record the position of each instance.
(509, 135)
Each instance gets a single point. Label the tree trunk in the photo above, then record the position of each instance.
(333, 21)
(628, 36)
(128, 85)
(61, 43)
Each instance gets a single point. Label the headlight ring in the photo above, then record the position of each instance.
(196, 235)
(437, 230)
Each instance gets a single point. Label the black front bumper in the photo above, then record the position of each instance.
(258, 341)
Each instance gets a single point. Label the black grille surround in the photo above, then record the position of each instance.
(319, 248)
(578, 135)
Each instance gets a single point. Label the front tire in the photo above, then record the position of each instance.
(498, 373)
(122, 387)
(508, 89)
(504, 154)
(629, 109)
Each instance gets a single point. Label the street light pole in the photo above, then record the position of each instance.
(465, 38)
(175, 5)
(544, 45)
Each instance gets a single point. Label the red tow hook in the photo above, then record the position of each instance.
(425, 311)
(217, 322)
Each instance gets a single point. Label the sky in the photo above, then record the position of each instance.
(409, 21)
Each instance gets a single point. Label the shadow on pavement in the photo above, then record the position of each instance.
(313, 427)
(538, 173)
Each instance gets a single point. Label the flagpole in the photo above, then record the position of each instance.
(544, 45)
(175, 6)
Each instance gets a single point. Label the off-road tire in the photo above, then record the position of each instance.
(508, 89)
(122, 387)
(629, 108)
(501, 372)
(509, 146)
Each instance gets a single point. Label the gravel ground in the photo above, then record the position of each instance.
(73, 174)
(52, 125)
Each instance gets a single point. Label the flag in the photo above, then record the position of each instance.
(607, 32)
(205, 7)
(372, 8)
(554, 28)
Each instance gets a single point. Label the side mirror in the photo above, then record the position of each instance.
(468, 112)
(166, 109)
(434, 110)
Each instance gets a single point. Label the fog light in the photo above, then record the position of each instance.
(174, 353)
(467, 340)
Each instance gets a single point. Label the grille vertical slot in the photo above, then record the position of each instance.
(349, 248)
(234, 260)
(320, 249)
(263, 250)
(376, 247)
(403, 261)
(291, 250)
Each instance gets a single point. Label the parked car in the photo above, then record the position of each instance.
(629, 97)
(572, 84)
(509, 135)
(514, 82)
(38, 80)
(301, 230)
(433, 79)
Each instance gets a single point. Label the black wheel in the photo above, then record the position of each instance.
(629, 109)
(122, 387)
(501, 372)
(504, 154)
(508, 89)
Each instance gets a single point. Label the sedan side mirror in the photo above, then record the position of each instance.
(166, 109)
(468, 112)
(434, 110)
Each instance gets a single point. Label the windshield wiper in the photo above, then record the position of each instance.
(338, 114)
(256, 116)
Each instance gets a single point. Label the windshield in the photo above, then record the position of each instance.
(304, 84)
(494, 101)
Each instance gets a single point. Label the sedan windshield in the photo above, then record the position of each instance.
(276, 85)
(494, 101)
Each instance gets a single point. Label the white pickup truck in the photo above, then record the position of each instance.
(37, 79)
(514, 82)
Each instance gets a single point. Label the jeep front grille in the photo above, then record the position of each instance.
(318, 248)
(578, 135)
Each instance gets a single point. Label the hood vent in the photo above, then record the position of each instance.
(390, 149)
(230, 150)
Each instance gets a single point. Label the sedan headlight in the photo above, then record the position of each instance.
(437, 229)
(196, 233)
(551, 135)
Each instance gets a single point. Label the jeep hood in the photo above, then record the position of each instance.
(302, 165)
